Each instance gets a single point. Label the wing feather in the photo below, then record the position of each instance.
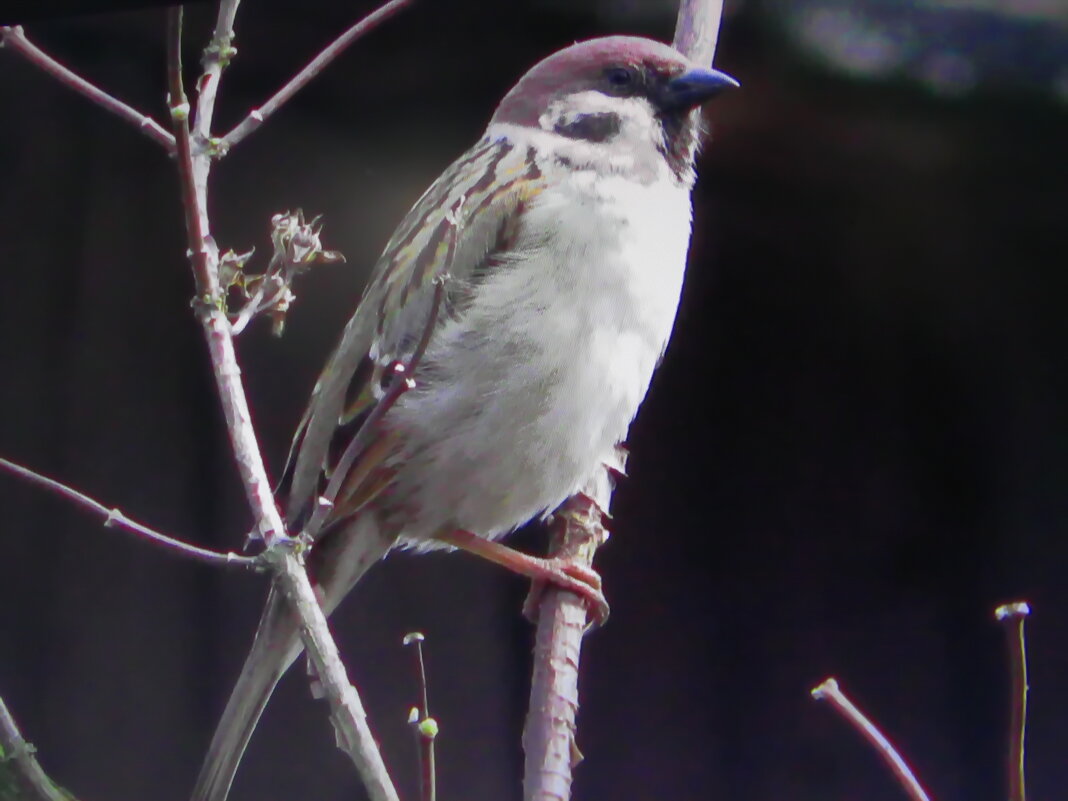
(455, 232)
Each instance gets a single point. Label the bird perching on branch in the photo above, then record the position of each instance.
(504, 343)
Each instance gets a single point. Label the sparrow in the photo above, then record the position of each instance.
(504, 343)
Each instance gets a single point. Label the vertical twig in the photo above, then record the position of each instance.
(549, 731)
(424, 726)
(697, 29)
(1012, 617)
(829, 691)
(194, 166)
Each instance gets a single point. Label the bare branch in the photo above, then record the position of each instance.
(194, 165)
(193, 171)
(424, 726)
(19, 754)
(347, 714)
(829, 691)
(1012, 617)
(697, 29)
(257, 116)
(549, 731)
(114, 518)
(15, 39)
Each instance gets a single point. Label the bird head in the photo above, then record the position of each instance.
(623, 93)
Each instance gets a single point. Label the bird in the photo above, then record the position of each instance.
(505, 340)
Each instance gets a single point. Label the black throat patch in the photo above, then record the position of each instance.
(683, 132)
(590, 127)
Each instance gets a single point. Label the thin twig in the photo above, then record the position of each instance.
(424, 726)
(1012, 617)
(194, 166)
(15, 39)
(114, 518)
(829, 691)
(257, 116)
(19, 754)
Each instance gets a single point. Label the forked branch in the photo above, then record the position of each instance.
(194, 164)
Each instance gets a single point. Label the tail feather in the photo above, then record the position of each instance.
(345, 555)
(275, 648)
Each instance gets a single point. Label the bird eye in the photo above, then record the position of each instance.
(620, 77)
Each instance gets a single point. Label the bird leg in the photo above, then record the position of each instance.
(579, 579)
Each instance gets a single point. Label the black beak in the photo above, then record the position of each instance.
(694, 87)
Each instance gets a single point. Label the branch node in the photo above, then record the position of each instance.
(179, 111)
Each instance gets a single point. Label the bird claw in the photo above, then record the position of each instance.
(584, 581)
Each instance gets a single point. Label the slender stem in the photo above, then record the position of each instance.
(829, 691)
(194, 166)
(1012, 617)
(207, 280)
(15, 39)
(193, 170)
(114, 518)
(19, 754)
(424, 726)
(257, 116)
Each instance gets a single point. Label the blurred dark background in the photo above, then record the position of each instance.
(856, 446)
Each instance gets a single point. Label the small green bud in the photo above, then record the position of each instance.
(180, 112)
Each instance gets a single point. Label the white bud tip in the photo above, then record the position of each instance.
(415, 636)
(413, 715)
(828, 687)
(1017, 609)
(324, 502)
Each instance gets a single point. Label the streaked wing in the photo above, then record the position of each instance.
(460, 224)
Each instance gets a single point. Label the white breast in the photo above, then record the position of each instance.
(542, 375)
